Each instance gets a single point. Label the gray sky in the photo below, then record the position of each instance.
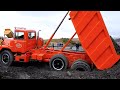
(47, 21)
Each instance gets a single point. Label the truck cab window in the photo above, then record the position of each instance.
(19, 35)
(31, 35)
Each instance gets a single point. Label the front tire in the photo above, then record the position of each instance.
(6, 58)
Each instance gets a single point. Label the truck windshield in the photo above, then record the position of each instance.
(19, 35)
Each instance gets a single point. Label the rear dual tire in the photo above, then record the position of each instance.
(80, 65)
(59, 62)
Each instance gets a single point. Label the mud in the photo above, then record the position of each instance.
(38, 70)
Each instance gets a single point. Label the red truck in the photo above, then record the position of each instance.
(99, 49)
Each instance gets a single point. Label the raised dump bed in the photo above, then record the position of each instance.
(94, 38)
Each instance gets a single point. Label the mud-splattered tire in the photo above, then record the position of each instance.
(6, 58)
(81, 65)
(58, 62)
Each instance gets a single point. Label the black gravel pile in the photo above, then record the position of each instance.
(37, 70)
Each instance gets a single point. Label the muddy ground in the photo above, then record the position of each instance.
(37, 70)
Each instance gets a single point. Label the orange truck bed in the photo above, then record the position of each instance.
(94, 38)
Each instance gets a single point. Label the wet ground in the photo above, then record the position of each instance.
(38, 70)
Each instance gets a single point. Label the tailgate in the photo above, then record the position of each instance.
(94, 38)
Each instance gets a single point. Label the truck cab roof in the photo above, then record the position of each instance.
(18, 30)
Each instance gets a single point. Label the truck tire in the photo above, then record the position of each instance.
(58, 62)
(6, 58)
(81, 65)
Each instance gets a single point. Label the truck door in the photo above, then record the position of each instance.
(20, 42)
(31, 42)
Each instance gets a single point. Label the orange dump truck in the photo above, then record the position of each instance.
(25, 45)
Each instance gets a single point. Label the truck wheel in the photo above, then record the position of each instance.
(81, 65)
(6, 58)
(58, 62)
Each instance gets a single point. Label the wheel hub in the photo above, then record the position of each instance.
(58, 64)
(5, 58)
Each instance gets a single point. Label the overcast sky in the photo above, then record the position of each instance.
(47, 21)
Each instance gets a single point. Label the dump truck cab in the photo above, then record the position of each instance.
(24, 40)
(21, 41)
